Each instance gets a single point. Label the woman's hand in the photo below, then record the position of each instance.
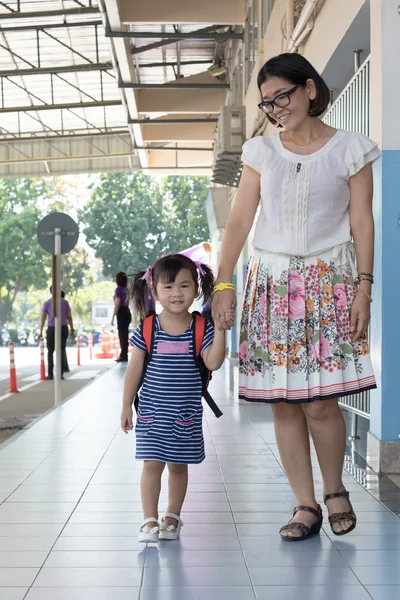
(360, 317)
(223, 309)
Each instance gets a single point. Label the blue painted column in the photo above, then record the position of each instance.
(383, 439)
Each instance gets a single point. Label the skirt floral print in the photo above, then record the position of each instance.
(295, 341)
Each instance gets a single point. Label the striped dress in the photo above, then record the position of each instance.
(169, 421)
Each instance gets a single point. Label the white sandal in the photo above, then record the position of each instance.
(170, 532)
(149, 535)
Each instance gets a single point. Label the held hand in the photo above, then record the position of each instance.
(223, 309)
(360, 317)
(126, 419)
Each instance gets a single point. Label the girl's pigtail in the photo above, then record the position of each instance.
(140, 294)
(207, 281)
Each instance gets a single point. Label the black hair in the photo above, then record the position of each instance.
(166, 269)
(121, 279)
(297, 70)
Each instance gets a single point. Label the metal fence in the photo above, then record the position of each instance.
(351, 112)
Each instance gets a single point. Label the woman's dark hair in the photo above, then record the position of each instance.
(296, 70)
(166, 269)
(121, 279)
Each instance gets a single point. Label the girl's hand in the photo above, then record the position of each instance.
(223, 309)
(126, 419)
(360, 317)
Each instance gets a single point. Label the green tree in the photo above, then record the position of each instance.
(132, 219)
(23, 261)
(187, 223)
(75, 271)
(124, 221)
(101, 291)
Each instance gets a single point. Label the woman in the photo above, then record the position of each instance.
(123, 314)
(299, 348)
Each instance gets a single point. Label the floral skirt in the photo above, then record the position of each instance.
(295, 341)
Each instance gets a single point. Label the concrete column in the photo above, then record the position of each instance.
(384, 436)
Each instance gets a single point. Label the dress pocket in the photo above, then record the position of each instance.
(144, 420)
(184, 425)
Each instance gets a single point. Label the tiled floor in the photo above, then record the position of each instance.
(70, 512)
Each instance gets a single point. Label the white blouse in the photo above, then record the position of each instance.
(305, 198)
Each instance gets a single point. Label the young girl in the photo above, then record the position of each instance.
(169, 420)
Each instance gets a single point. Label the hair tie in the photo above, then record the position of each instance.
(200, 269)
(147, 277)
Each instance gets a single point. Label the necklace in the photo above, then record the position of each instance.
(303, 145)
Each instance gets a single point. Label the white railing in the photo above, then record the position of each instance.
(351, 110)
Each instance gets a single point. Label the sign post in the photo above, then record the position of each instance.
(57, 233)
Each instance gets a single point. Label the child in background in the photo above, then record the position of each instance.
(169, 420)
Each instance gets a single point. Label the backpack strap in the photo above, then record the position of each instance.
(148, 333)
(148, 327)
(199, 329)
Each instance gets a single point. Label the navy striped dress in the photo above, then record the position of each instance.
(169, 421)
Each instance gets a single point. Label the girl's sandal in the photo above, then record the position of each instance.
(304, 530)
(344, 516)
(170, 532)
(147, 534)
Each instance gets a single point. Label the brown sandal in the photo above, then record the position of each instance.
(344, 516)
(304, 529)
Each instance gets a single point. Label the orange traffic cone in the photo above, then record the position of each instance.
(42, 366)
(105, 346)
(13, 374)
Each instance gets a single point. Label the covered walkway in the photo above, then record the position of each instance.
(70, 511)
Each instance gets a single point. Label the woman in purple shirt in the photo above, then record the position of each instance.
(123, 314)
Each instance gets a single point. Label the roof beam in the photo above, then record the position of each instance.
(192, 35)
(36, 159)
(121, 50)
(37, 14)
(63, 136)
(174, 85)
(183, 63)
(39, 26)
(171, 121)
(53, 70)
(182, 11)
(154, 45)
(72, 105)
(198, 132)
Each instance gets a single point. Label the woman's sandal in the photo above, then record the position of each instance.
(344, 516)
(147, 534)
(170, 532)
(304, 530)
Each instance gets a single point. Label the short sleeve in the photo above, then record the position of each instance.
(208, 337)
(45, 308)
(360, 152)
(67, 306)
(137, 340)
(252, 153)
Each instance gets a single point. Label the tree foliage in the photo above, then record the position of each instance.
(132, 219)
(123, 221)
(22, 262)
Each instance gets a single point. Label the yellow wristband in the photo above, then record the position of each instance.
(220, 287)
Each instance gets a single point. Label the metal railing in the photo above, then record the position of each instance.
(351, 112)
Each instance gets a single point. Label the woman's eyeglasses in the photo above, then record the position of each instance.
(280, 101)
